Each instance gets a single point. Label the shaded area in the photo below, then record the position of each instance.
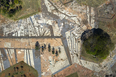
(1, 31)
(37, 62)
(97, 43)
(110, 28)
(51, 30)
(4, 57)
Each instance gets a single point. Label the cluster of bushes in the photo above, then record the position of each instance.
(10, 7)
(97, 42)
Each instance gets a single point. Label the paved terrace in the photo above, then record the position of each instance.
(23, 49)
(27, 42)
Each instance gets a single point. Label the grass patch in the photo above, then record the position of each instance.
(92, 3)
(26, 70)
(26, 16)
(29, 8)
(73, 75)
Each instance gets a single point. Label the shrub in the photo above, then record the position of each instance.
(9, 8)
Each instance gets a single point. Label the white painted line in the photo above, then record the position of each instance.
(25, 60)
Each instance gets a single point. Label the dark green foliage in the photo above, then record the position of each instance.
(10, 7)
(92, 3)
(97, 43)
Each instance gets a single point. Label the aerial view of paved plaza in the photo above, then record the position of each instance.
(57, 38)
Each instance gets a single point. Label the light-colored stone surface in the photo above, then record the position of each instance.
(70, 25)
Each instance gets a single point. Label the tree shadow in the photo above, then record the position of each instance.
(94, 32)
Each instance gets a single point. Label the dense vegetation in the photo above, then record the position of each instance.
(92, 3)
(10, 7)
(97, 43)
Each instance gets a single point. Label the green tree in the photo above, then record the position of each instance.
(97, 42)
(9, 7)
(16, 1)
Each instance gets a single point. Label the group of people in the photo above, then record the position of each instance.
(37, 47)
(56, 52)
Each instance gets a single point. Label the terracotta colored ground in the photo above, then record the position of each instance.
(81, 71)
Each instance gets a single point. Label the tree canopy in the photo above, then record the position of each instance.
(10, 7)
(97, 42)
